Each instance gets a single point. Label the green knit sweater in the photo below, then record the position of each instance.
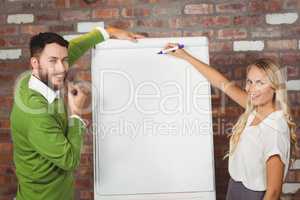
(46, 144)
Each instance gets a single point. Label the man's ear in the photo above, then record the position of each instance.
(34, 62)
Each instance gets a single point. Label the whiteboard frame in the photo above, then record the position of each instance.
(148, 43)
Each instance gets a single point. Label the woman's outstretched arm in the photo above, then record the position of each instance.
(214, 76)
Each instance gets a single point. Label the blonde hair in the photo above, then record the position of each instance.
(278, 83)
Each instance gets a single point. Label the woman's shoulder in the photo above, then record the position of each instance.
(276, 123)
(280, 120)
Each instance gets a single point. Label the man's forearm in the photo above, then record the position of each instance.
(79, 45)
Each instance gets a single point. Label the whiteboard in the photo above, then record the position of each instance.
(152, 122)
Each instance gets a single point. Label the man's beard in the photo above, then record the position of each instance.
(44, 77)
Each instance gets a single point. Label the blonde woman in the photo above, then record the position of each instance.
(263, 140)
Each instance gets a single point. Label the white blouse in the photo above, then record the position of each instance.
(257, 143)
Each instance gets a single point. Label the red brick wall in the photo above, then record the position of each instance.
(224, 22)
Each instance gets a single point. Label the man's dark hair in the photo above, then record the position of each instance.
(39, 41)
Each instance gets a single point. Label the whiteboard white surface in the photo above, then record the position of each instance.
(152, 122)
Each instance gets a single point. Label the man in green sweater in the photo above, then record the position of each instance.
(47, 142)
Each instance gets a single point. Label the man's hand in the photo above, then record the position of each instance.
(123, 35)
(79, 98)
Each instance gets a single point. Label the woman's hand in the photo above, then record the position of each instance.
(179, 53)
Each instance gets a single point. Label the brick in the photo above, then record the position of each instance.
(271, 55)
(281, 18)
(161, 2)
(6, 77)
(248, 45)
(25, 53)
(9, 189)
(11, 7)
(86, 195)
(165, 34)
(290, 58)
(8, 30)
(6, 148)
(235, 7)
(215, 21)
(10, 54)
(83, 183)
(38, 5)
(2, 19)
(205, 22)
(293, 72)
(265, 6)
(47, 17)
(105, 13)
(168, 10)
(18, 65)
(282, 44)
(232, 34)
(87, 148)
(290, 187)
(5, 180)
(220, 59)
(228, 112)
(240, 73)
(182, 22)
(207, 33)
(6, 101)
(4, 123)
(135, 12)
(63, 3)
(6, 170)
(83, 27)
(151, 23)
(73, 15)
(294, 97)
(13, 41)
(5, 110)
(86, 159)
(20, 18)
(85, 171)
(293, 32)
(62, 28)
(120, 2)
(252, 20)
(268, 32)
(7, 87)
(123, 24)
(84, 4)
(88, 139)
(33, 29)
(291, 4)
(199, 9)
(293, 85)
(8, 82)
(291, 176)
(3, 42)
(220, 46)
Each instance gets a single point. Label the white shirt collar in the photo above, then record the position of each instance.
(37, 85)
